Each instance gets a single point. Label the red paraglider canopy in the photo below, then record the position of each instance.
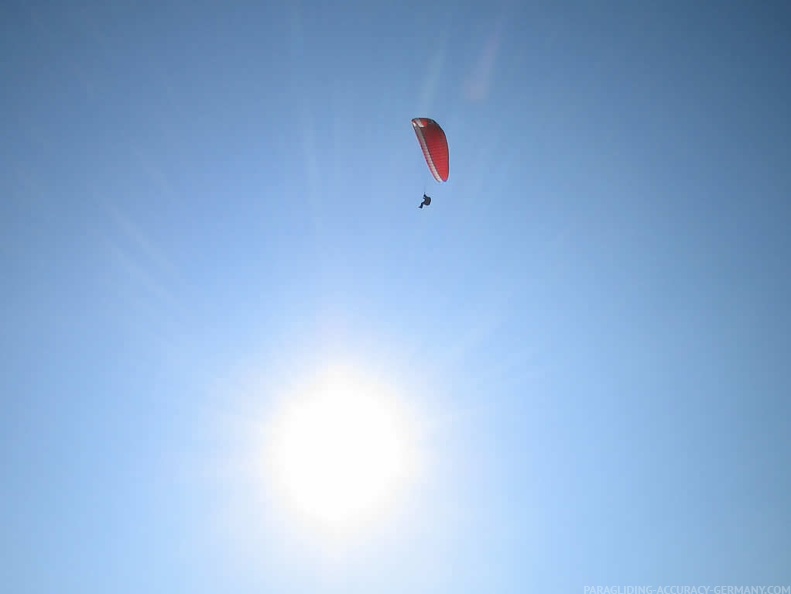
(435, 147)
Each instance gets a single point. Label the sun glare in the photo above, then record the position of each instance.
(341, 452)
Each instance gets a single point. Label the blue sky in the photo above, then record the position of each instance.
(204, 203)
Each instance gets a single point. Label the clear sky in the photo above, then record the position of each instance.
(205, 204)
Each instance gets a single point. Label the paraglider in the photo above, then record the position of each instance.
(434, 144)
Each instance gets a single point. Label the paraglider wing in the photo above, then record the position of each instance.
(435, 147)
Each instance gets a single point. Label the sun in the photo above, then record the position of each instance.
(342, 451)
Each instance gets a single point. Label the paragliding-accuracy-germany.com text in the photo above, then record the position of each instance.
(687, 590)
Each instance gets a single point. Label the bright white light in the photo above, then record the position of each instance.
(341, 452)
